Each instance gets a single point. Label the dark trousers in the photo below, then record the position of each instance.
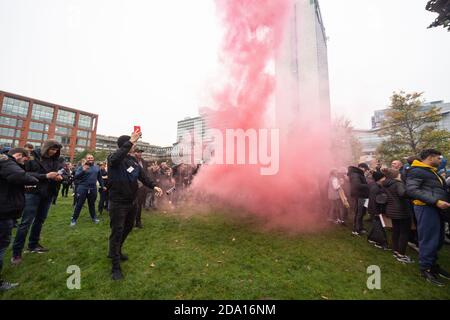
(6, 227)
(34, 215)
(401, 229)
(122, 218)
(82, 195)
(140, 201)
(55, 197)
(359, 212)
(377, 233)
(65, 190)
(103, 202)
(430, 228)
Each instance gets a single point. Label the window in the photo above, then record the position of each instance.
(62, 130)
(7, 142)
(8, 132)
(82, 134)
(35, 135)
(82, 142)
(85, 121)
(39, 126)
(18, 132)
(66, 117)
(63, 139)
(43, 113)
(15, 107)
(8, 121)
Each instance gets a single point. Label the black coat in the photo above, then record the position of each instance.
(13, 178)
(375, 208)
(397, 206)
(124, 173)
(358, 183)
(40, 164)
(425, 186)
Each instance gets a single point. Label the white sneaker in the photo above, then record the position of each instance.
(73, 223)
(96, 221)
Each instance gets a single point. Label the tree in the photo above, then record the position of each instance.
(345, 147)
(442, 7)
(407, 129)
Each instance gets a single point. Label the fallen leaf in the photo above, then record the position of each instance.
(326, 298)
(152, 265)
(234, 239)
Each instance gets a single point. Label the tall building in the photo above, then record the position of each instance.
(301, 68)
(27, 120)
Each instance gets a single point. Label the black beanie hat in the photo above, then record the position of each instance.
(122, 140)
(377, 176)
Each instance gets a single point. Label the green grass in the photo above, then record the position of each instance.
(195, 257)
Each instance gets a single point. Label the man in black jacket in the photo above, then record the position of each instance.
(45, 165)
(359, 191)
(124, 173)
(12, 180)
(430, 196)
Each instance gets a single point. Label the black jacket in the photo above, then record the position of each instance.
(425, 186)
(12, 180)
(397, 206)
(358, 183)
(375, 208)
(40, 164)
(124, 173)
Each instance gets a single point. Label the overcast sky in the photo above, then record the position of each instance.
(148, 62)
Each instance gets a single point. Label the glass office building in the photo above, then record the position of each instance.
(26, 120)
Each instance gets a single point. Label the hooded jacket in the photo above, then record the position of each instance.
(397, 206)
(12, 180)
(358, 183)
(123, 175)
(41, 164)
(425, 186)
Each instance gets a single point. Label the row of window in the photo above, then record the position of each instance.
(19, 108)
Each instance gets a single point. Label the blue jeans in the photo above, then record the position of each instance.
(34, 215)
(6, 227)
(83, 194)
(430, 228)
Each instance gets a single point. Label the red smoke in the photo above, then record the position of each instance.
(292, 198)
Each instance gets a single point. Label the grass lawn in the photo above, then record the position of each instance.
(211, 257)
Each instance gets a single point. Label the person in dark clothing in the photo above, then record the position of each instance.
(13, 178)
(142, 190)
(377, 234)
(124, 173)
(359, 191)
(399, 211)
(58, 189)
(430, 196)
(103, 202)
(87, 176)
(66, 174)
(45, 165)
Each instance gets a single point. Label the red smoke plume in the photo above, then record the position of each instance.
(293, 197)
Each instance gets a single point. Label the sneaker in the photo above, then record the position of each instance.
(16, 260)
(73, 223)
(371, 242)
(431, 278)
(38, 249)
(355, 233)
(4, 285)
(116, 274)
(363, 231)
(404, 259)
(437, 270)
(96, 221)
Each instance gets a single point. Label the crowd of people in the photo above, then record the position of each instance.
(411, 200)
(31, 180)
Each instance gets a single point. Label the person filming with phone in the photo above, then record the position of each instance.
(124, 172)
(87, 176)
